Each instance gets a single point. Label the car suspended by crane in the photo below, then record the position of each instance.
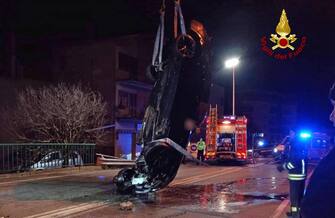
(182, 81)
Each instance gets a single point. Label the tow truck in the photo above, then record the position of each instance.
(226, 137)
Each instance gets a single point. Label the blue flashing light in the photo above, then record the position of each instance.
(305, 135)
(260, 143)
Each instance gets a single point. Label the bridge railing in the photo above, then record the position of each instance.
(15, 157)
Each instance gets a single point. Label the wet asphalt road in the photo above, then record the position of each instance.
(254, 190)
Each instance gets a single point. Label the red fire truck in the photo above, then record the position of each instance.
(226, 137)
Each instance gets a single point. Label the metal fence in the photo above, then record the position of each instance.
(20, 157)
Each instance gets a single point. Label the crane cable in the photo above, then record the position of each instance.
(159, 40)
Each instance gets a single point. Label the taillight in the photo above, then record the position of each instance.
(241, 155)
(210, 153)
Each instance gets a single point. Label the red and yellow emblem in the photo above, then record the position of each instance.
(283, 29)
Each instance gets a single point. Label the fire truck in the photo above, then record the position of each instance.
(226, 137)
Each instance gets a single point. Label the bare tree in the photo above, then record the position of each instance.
(56, 114)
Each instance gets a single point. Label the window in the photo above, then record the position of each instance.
(128, 64)
(127, 102)
(55, 156)
(51, 156)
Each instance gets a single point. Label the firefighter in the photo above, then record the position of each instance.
(296, 166)
(201, 147)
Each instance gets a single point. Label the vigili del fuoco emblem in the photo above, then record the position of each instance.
(283, 41)
(283, 30)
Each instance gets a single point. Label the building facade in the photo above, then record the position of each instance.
(114, 67)
(268, 112)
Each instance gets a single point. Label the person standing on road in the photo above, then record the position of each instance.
(201, 147)
(296, 167)
(319, 198)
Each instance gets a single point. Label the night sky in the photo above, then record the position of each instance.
(236, 28)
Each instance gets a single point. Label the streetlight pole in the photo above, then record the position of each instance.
(233, 90)
(232, 63)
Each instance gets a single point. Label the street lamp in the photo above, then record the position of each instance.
(232, 63)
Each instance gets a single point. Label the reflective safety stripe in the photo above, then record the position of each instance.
(290, 166)
(295, 178)
(303, 166)
(296, 175)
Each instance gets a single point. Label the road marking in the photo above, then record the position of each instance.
(89, 207)
(209, 176)
(220, 174)
(64, 212)
(80, 213)
(77, 210)
(218, 171)
(57, 210)
(280, 210)
(201, 175)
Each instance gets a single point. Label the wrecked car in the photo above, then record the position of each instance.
(181, 87)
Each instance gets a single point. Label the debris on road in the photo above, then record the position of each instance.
(126, 205)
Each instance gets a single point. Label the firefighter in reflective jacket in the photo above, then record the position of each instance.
(201, 147)
(296, 166)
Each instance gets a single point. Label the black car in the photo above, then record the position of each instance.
(262, 149)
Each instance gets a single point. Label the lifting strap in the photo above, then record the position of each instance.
(159, 40)
(178, 13)
(185, 43)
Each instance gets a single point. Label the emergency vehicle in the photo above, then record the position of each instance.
(226, 137)
(317, 148)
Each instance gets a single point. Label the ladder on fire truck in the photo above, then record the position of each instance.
(212, 130)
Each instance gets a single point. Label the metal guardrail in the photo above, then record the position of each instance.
(15, 157)
(108, 161)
